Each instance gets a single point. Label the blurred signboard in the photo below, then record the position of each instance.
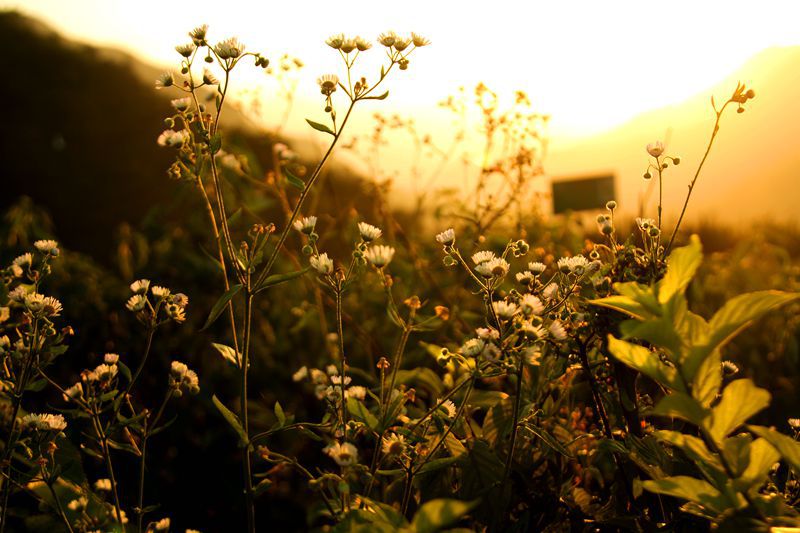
(582, 193)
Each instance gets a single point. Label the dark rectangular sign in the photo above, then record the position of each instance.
(582, 194)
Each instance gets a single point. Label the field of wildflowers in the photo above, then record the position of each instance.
(280, 364)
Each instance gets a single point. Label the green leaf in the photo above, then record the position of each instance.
(437, 514)
(787, 446)
(357, 408)
(220, 305)
(320, 127)
(624, 304)
(708, 380)
(262, 486)
(647, 362)
(762, 456)
(738, 312)
(682, 264)
(689, 488)
(741, 399)
(681, 405)
(231, 419)
(228, 353)
(279, 414)
(692, 446)
(380, 97)
(294, 180)
(215, 144)
(277, 279)
(736, 450)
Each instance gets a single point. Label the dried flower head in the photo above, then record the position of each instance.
(655, 149)
(48, 247)
(43, 422)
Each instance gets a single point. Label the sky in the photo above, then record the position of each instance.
(591, 65)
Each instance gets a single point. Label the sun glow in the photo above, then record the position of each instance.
(591, 65)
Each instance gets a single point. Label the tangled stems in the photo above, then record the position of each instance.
(106, 452)
(19, 390)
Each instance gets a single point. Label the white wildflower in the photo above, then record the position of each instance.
(537, 268)
(556, 329)
(140, 286)
(111, 358)
(497, 267)
(305, 225)
(447, 237)
(49, 247)
(229, 48)
(327, 83)
(43, 422)
(393, 444)
(160, 292)
(369, 232)
(655, 149)
(78, 504)
(103, 485)
(172, 138)
(482, 256)
(449, 407)
(322, 264)
(488, 333)
(356, 391)
(551, 291)
(136, 303)
(504, 309)
(531, 305)
(380, 255)
(345, 454)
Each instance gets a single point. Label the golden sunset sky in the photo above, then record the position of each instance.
(613, 75)
(591, 65)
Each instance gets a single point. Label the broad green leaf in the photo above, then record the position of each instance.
(681, 405)
(357, 408)
(708, 380)
(787, 446)
(639, 292)
(231, 419)
(689, 488)
(320, 127)
(277, 279)
(741, 399)
(436, 515)
(682, 264)
(658, 331)
(738, 312)
(692, 446)
(626, 305)
(422, 377)
(762, 456)
(736, 450)
(220, 305)
(647, 362)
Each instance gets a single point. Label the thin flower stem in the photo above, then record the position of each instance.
(696, 174)
(343, 370)
(246, 467)
(101, 434)
(143, 459)
(303, 194)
